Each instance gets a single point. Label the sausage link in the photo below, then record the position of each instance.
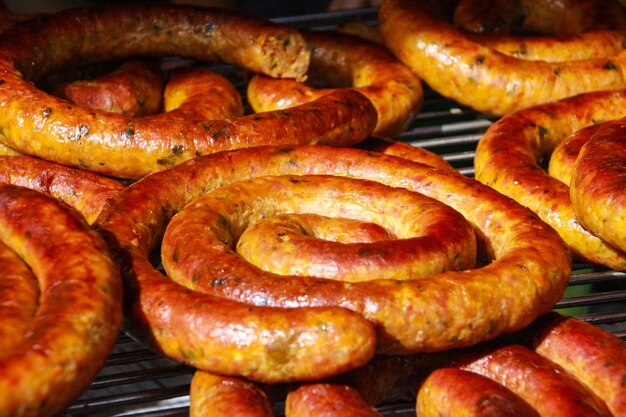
(541, 383)
(597, 187)
(133, 89)
(452, 392)
(447, 310)
(85, 191)
(343, 60)
(563, 158)
(219, 396)
(431, 237)
(79, 315)
(19, 299)
(594, 356)
(476, 75)
(507, 159)
(128, 147)
(327, 400)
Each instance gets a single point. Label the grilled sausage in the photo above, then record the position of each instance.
(594, 356)
(451, 309)
(476, 75)
(597, 187)
(347, 61)
(79, 314)
(133, 89)
(541, 383)
(507, 159)
(563, 158)
(452, 392)
(80, 137)
(85, 191)
(219, 396)
(327, 400)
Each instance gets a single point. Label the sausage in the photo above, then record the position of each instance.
(541, 383)
(327, 400)
(431, 237)
(19, 299)
(133, 89)
(194, 92)
(87, 192)
(447, 310)
(126, 147)
(594, 356)
(342, 60)
(80, 309)
(476, 75)
(507, 159)
(563, 158)
(597, 189)
(219, 396)
(449, 392)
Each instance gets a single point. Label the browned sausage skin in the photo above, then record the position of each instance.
(541, 383)
(597, 186)
(88, 138)
(448, 310)
(220, 396)
(341, 60)
(79, 314)
(594, 356)
(479, 76)
(452, 392)
(133, 89)
(508, 155)
(87, 192)
(327, 400)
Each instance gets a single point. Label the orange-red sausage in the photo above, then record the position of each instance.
(476, 75)
(79, 314)
(452, 392)
(563, 158)
(508, 155)
(132, 147)
(541, 383)
(341, 60)
(19, 299)
(447, 310)
(327, 400)
(219, 396)
(87, 192)
(431, 237)
(133, 89)
(594, 356)
(597, 186)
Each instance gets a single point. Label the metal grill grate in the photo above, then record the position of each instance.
(137, 382)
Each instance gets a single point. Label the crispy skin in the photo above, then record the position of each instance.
(541, 383)
(219, 396)
(132, 147)
(458, 67)
(327, 400)
(597, 187)
(133, 89)
(431, 237)
(87, 192)
(342, 60)
(594, 356)
(452, 392)
(447, 310)
(507, 159)
(80, 311)
(563, 158)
